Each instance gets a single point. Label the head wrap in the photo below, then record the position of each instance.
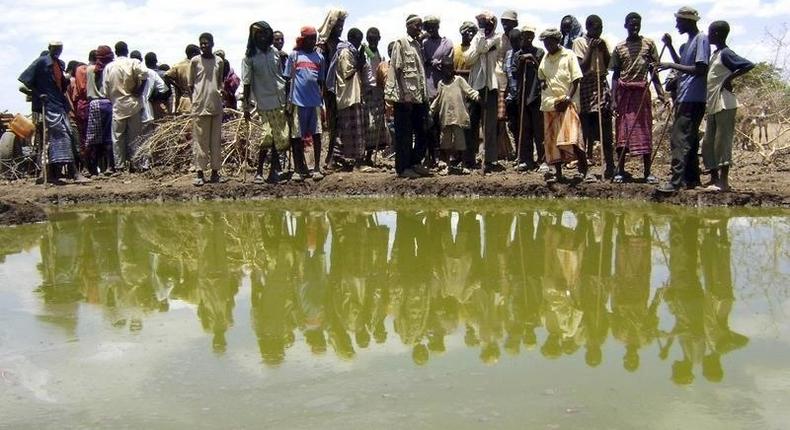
(330, 21)
(467, 25)
(104, 56)
(219, 53)
(431, 18)
(576, 31)
(305, 31)
(528, 28)
(488, 16)
(261, 26)
(551, 33)
(55, 43)
(412, 18)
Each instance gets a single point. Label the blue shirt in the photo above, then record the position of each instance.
(40, 78)
(693, 89)
(306, 70)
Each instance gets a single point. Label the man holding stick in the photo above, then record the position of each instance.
(632, 60)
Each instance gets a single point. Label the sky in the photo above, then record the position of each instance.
(166, 27)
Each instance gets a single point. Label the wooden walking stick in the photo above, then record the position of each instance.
(44, 140)
(638, 112)
(521, 115)
(600, 114)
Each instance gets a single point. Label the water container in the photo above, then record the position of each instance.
(22, 126)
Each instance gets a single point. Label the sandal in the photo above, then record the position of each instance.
(590, 178)
(652, 180)
(618, 179)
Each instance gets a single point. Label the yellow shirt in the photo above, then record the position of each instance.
(558, 71)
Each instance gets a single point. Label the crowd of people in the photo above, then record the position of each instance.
(559, 282)
(543, 107)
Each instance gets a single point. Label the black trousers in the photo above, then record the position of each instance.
(530, 137)
(591, 134)
(410, 141)
(685, 144)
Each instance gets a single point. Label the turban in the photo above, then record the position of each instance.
(305, 31)
(330, 21)
(104, 56)
(466, 26)
(431, 18)
(412, 18)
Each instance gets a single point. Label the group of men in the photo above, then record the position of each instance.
(494, 88)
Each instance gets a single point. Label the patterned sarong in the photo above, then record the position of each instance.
(588, 94)
(376, 136)
(562, 131)
(99, 131)
(351, 132)
(634, 124)
(59, 138)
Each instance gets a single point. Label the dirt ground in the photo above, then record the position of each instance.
(755, 184)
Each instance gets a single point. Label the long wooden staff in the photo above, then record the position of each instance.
(600, 113)
(44, 140)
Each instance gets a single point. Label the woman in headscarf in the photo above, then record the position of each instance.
(571, 29)
(328, 37)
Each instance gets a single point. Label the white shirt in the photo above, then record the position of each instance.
(484, 61)
(154, 81)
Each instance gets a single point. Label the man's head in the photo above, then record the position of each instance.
(151, 60)
(136, 55)
(594, 26)
(192, 50)
(448, 68)
(686, 19)
(413, 26)
(486, 21)
(308, 37)
(92, 56)
(551, 40)
(509, 20)
(373, 37)
(515, 38)
(278, 39)
(718, 32)
(337, 30)
(206, 41)
(468, 30)
(390, 47)
(55, 48)
(633, 24)
(431, 26)
(527, 36)
(121, 49)
(262, 35)
(355, 37)
(566, 25)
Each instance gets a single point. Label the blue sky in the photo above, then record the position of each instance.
(166, 27)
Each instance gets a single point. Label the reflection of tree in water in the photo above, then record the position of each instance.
(547, 279)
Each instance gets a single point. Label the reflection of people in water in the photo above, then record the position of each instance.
(634, 316)
(719, 298)
(216, 288)
(273, 295)
(499, 279)
(561, 313)
(596, 280)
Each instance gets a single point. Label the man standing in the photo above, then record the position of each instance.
(155, 93)
(205, 81)
(595, 97)
(529, 131)
(178, 78)
(279, 43)
(468, 31)
(631, 63)
(483, 56)
(348, 72)
(328, 38)
(373, 95)
(436, 49)
(47, 83)
(264, 85)
(692, 68)
(560, 73)
(124, 80)
(406, 88)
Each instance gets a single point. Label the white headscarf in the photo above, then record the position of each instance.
(331, 19)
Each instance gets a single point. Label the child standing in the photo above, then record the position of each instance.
(306, 70)
(449, 104)
(205, 81)
(725, 65)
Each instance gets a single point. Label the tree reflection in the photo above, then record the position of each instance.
(546, 279)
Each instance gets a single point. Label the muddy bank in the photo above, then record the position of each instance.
(766, 192)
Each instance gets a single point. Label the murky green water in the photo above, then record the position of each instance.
(388, 314)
